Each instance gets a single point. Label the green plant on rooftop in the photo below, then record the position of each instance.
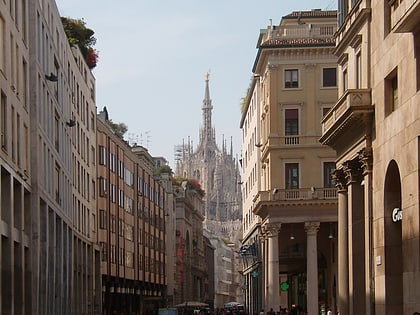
(80, 35)
(191, 183)
(119, 128)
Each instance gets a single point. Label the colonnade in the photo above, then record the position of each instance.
(270, 246)
(355, 269)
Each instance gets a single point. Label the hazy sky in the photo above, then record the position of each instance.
(153, 55)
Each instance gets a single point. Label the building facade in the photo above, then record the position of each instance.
(49, 257)
(15, 208)
(250, 250)
(373, 127)
(191, 271)
(131, 225)
(291, 260)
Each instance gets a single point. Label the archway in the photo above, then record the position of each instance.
(393, 241)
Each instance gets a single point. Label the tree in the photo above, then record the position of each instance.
(119, 128)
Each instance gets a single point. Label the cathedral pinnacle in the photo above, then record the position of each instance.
(207, 131)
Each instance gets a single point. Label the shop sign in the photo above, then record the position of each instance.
(397, 215)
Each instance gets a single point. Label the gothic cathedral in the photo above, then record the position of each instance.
(217, 171)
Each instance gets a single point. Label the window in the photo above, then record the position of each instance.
(112, 224)
(57, 183)
(112, 162)
(329, 168)
(102, 155)
(104, 253)
(112, 193)
(3, 45)
(292, 175)
(291, 78)
(329, 77)
(325, 110)
(129, 259)
(57, 132)
(3, 120)
(121, 198)
(129, 232)
(121, 169)
(358, 70)
(102, 186)
(291, 122)
(121, 256)
(121, 227)
(102, 219)
(345, 79)
(113, 254)
(391, 92)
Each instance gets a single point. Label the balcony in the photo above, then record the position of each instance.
(316, 202)
(297, 194)
(405, 15)
(351, 111)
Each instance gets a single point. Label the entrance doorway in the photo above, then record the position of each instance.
(393, 241)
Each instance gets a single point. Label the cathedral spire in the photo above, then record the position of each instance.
(207, 134)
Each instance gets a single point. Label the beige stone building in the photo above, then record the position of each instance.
(15, 175)
(374, 128)
(287, 182)
(49, 260)
(131, 225)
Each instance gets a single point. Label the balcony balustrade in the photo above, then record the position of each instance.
(313, 193)
(301, 31)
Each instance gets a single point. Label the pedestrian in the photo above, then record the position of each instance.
(262, 312)
(329, 312)
(416, 313)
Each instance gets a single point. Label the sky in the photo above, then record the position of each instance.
(153, 56)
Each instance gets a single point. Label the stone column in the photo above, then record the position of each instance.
(311, 229)
(273, 274)
(365, 158)
(356, 238)
(343, 260)
(264, 269)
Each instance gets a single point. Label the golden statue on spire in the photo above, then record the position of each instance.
(207, 75)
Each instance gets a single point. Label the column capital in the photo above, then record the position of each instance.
(365, 158)
(353, 172)
(311, 228)
(272, 229)
(340, 180)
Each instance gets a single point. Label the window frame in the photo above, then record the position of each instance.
(289, 83)
(328, 181)
(289, 180)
